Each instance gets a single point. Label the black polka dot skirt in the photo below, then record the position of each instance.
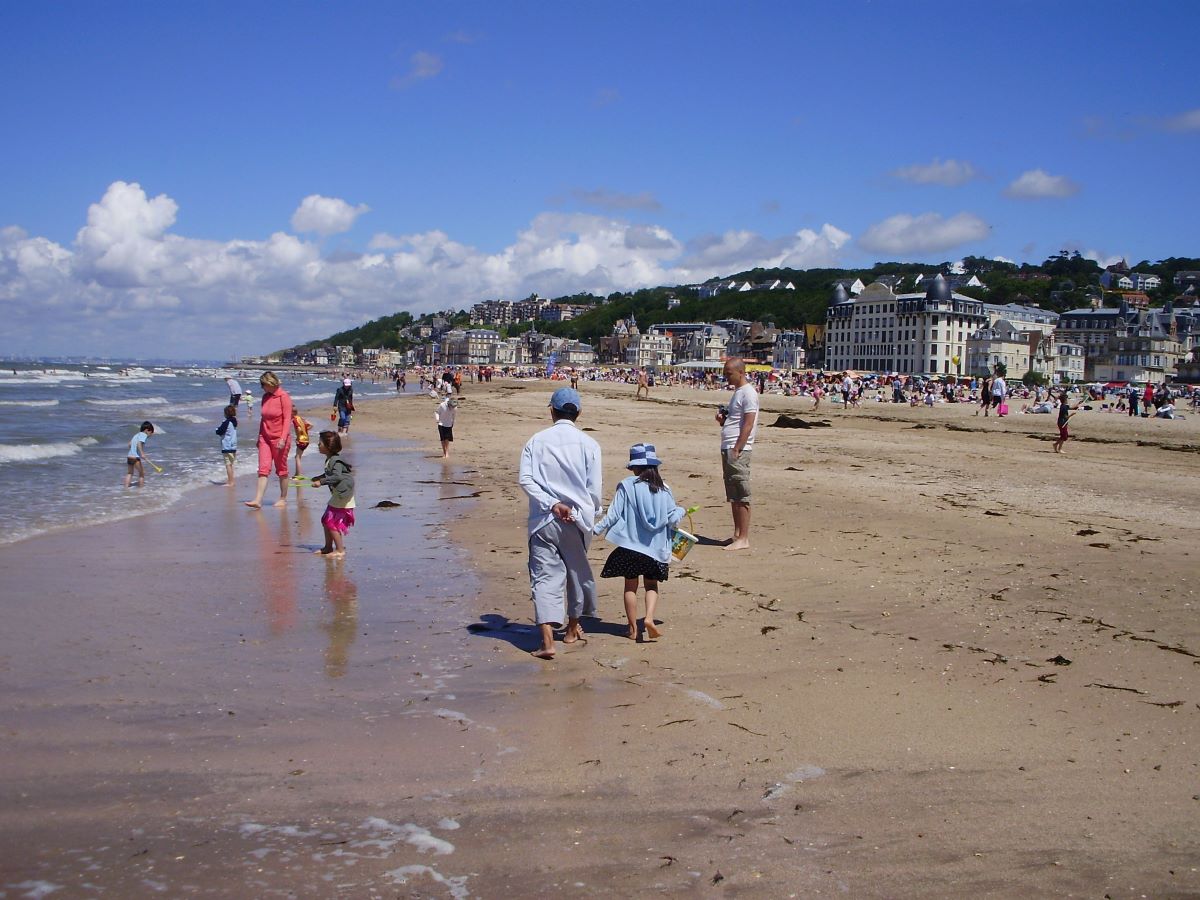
(623, 563)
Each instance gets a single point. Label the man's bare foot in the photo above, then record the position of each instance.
(542, 654)
(652, 630)
(252, 504)
(741, 544)
(632, 633)
(574, 635)
(279, 503)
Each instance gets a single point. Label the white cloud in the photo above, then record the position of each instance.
(1185, 121)
(950, 173)
(129, 286)
(1039, 184)
(1104, 259)
(422, 66)
(927, 233)
(733, 250)
(615, 201)
(1004, 259)
(326, 215)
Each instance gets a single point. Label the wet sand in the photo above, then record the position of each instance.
(868, 701)
(863, 704)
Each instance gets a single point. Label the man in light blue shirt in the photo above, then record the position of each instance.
(560, 472)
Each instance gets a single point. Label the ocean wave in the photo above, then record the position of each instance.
(187, 417)
(28, 403)
(36, 453)
(42, 380)
(131, 401)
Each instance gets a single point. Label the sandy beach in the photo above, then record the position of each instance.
(953, 664)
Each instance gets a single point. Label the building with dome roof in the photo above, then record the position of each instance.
(912, 334)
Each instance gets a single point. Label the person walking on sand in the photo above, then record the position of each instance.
(560, 473)
(1065, 412)
(343, 405)
(227, 431)
(301, 427)
(444, 416)
(274, 438)
(136, 454)
(643, 384)
(985, 395)
(739, 423)
(339, 513)
(999, 391)
(639, 521)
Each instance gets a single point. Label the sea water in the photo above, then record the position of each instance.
(65, 432)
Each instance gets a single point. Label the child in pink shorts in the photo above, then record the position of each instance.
(339, 514)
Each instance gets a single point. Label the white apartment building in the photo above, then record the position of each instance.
(1071, 362)
(879, 331)
(648, 351)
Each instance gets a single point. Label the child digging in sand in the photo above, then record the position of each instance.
(339, 514)
(639, 522)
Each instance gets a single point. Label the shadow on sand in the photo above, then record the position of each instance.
(525, 637)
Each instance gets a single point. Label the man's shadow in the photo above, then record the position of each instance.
(526, 637)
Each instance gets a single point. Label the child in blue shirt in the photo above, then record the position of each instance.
(639, 521)
(227, 431)
(136, 454)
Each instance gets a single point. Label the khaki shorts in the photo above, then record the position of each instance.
(737, 476)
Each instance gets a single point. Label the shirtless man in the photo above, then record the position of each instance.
(643, 385)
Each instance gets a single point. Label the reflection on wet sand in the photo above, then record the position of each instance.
(341, 624)
(276, 573)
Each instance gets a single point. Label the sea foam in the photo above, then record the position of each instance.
(42, 452)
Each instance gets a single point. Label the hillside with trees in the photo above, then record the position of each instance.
(1063, 281)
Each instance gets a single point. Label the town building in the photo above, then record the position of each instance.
(712, 288)
(789, 351)
(649, 350)
(1128, 344)
(694, 341)
(1019, 350)
(561, 312)
(954, 281)
(1027, 318)
(1071, 364)
(918, 333)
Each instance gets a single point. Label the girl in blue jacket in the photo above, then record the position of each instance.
(639, 521)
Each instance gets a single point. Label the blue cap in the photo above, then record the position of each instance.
(564, 397)
(642, 455)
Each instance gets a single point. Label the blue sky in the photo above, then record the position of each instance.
(157, 157)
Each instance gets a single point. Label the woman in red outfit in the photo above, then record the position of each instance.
(274, 438)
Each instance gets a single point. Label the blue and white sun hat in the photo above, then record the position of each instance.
(642, 455)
